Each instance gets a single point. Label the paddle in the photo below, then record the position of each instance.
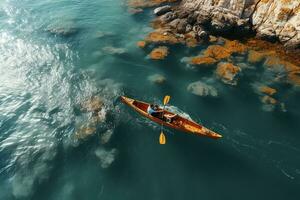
(162, 137)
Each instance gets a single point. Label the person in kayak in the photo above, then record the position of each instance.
(154, 111)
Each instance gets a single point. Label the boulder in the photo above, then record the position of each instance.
(162, 10)
(181, 26)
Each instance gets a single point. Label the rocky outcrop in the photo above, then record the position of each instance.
(269, 19)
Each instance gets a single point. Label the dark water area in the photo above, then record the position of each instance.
(55, 55)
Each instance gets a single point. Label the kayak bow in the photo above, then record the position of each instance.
(179, 123)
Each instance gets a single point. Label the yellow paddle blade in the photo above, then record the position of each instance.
(166, 99)
(162, 138)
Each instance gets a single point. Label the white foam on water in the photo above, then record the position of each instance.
(176, 110)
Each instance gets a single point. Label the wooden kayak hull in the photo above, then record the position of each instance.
(178, 123)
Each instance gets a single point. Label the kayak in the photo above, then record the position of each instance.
(178, 122)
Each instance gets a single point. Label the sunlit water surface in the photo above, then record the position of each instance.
(56, 54)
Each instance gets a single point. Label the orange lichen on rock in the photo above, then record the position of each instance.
(292, 70)
(202, 60)
(191, 42)
(235, 46)
(213, 39)
(294, 78)
(258, 56)
(159, 53)
(227, 72)
(161, 37)
(276, 48)
(285, 13)
(268, 100)
(141, 44)
(217, 52)
(267, 90)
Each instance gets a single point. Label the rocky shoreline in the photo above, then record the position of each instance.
(275, 21)
(263, 30)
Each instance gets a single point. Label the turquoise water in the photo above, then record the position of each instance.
(56, 54)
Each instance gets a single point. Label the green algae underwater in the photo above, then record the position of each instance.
(64, 134)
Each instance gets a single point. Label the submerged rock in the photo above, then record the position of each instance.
(227, 72)
(85, 131)
(202, 60)
(267, 90)
(268, 100)
(113, 50)
(258, 56)
(135, 10)
(64, 31)
(159, 53)
(94, 104)
(157, 78)
(105, 137)
(202, 89)
(106, 157)
(141, 44)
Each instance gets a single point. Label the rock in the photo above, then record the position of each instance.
(113, 50)
(105, 137)
(181, 26)
(217, 52)
(202, 60)
(213, 39)
(141, 44)
(203, 17)
(191, 42)
(174, 23)
(135, 10)
(192, 18)
(227, 72)
(271, 20)
(157, 79)
(85, 131)
(203, 35)
(168, 17)
(162, 10)
(106, 157)
(188, 28)
(268, 100)
(267, 90)
(235, 46)
(161, 37)
(94, 104)
(64, 32)
(258, 56)
(202, 89)
(159, 53)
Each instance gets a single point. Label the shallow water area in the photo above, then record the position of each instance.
(64, 134)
